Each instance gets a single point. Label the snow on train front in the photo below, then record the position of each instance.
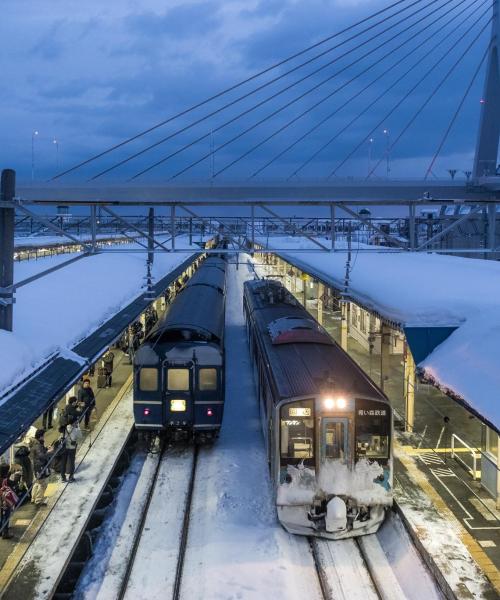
(328, 428)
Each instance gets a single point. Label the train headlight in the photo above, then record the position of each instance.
(341, 403)
(329, 403)
(178, 405)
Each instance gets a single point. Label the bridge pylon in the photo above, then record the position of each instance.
(485, 160)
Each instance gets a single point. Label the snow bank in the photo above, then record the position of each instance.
(60, 309)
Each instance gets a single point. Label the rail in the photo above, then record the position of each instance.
(473, 452)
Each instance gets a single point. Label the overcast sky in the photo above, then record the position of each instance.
(89, 74)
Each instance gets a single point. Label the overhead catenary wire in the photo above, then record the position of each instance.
(432, 94)
(291, 102)
(408, 94)
(387, 90)
(366, 87)
(244, 97)
(457, 112)
(228, 90)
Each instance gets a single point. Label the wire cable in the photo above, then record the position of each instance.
(431, 96)
(409, 93)
(247, 95)
(459, 108)
(297, 98)
(385, 92)
(227, 90)
(378, 78)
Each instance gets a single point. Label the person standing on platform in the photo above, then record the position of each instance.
(22, 458)
(73, 436)
(86, 398)
(41, 457)
(107, 362)
(8, 502)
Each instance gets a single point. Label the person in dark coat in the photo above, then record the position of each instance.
(8, 502)
(47, 418)
(22, 458)
(69, 412)
(41, 458)
(86, 398)
(107, 362)
(73, 436)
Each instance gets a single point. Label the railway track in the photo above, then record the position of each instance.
(358, 568)
(155, 566)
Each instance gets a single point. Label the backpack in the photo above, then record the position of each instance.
(9, 497)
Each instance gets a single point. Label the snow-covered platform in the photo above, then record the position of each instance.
(34, 571)
(63, 323)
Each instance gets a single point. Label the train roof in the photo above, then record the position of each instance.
(209, 275)
(303, 357)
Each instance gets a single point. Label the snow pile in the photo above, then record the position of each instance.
(335, 478)
(55, 312)
(468, 363)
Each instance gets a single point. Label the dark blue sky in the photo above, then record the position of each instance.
(90, 74)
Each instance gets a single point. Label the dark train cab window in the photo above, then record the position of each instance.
(178, 380)
(373, 430)
(148, 379)
(297, 432)
(207, 379)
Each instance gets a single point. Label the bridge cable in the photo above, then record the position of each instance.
(293, 101)
(251, 93)
(386, 91)
(227, 90)
(431, 96)
(409, 93)
(457, 111)
(378, 78)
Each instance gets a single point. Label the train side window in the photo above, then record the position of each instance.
(148, 379)
(178, 380)
(207, 379)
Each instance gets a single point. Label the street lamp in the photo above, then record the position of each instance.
(34, 133)
(387, 150)
(55, 141)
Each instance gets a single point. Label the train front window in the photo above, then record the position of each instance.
(297, 432)
(178, 380)
(372, 446)
(373, 430)
(148, 379)
(207, 379)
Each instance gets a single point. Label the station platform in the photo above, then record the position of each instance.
(45, 537)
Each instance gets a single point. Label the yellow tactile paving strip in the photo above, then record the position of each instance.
(475, 550)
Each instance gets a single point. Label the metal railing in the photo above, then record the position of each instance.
(474, 452)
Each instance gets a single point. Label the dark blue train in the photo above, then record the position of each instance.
(179, 369)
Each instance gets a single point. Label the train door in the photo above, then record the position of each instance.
(179, 393)
(334, 441)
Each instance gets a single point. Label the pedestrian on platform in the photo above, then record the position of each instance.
(86, 398)
(17, 485)
(67, 414)
(73, 436)
(8, 502)
(47, 418)
(22, 451)
(107, 363)
(41, 458)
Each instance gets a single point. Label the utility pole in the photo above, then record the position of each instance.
(7, 222)
(34, 134)
(485, 160)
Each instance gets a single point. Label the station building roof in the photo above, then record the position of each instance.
(452, 301)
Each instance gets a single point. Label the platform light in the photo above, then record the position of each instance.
(146, 412)
(178, 405)
(210, 412)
